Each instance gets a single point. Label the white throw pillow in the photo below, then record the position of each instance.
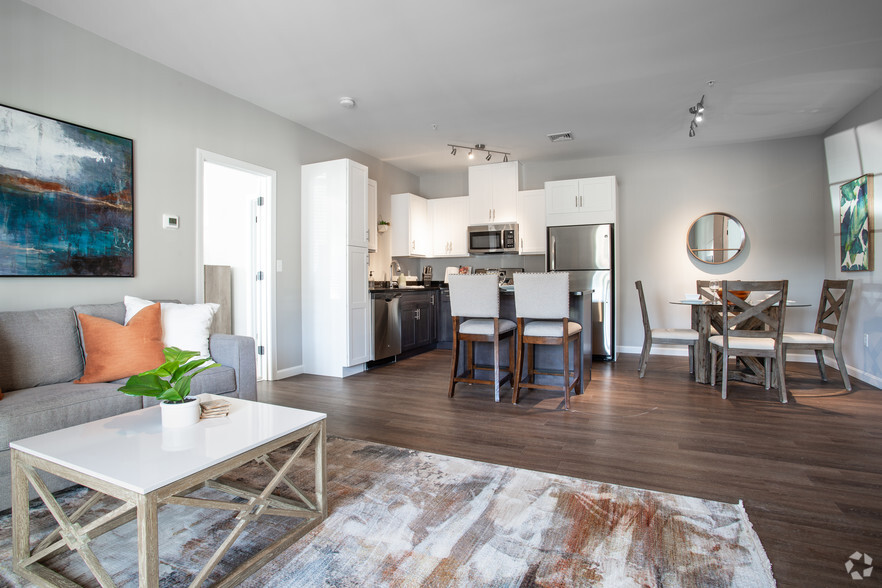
(185, 326)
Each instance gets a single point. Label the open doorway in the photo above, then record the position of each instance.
(235, 204)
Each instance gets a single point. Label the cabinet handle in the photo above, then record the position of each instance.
(416, 314)
(522, 242)
(490, 213)
(576, 203)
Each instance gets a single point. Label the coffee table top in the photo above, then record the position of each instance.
(134, 451)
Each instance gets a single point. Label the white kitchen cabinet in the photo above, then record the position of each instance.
(357, 204)
(531, 222)
(493, 193)
(335, 299)
(449, 218)
(372, 215)
(359, 304)
(585, 201)
(410, 231)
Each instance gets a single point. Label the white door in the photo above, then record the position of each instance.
(235, 229)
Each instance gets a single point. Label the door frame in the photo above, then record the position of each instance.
(202, 157)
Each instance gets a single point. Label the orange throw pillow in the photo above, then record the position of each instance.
(115, 351)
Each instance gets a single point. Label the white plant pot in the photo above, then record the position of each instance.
(181, 414)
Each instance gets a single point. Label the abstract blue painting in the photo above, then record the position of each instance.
(66, 199)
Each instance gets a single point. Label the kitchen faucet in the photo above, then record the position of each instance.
(392, 267)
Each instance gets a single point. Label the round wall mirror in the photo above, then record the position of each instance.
(715, 238)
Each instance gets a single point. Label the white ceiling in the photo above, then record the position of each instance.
(619, 74)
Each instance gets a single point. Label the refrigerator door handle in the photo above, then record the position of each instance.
(553, 251)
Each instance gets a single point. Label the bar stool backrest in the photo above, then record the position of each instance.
(475, 296)
(542, 296)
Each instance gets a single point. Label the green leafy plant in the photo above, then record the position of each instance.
(383, 222)
(171, 380)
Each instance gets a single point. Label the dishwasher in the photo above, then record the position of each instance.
(387, 324)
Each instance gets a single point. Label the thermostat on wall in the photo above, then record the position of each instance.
(169, 221)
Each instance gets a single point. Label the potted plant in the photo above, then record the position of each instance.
(382, 226)
(170, 383)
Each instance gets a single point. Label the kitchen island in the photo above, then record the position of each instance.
(421, 319)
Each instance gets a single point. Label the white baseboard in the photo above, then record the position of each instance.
(682, 351)
(288, 372)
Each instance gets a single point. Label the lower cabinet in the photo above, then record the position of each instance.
(417, 312)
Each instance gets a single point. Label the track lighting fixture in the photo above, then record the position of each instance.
(697, 113)
(478, 147)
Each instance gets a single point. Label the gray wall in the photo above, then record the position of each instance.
(776, 189)
(865, 313)
(52, 68)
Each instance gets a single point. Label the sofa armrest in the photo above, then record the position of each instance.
(237, 352)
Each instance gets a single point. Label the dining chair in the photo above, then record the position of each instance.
(474, 306)
(752, 329)
(832, 311)
(686, 337)
(544, 301)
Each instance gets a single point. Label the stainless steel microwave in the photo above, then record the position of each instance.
(493, 238)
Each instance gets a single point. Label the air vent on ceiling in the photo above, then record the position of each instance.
(556, 137)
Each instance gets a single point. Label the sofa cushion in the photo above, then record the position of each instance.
(35, 411)
(40, 347)
(115, 351)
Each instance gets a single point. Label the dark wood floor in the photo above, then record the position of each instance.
(809, 471)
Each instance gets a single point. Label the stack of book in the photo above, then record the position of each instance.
(215, 409)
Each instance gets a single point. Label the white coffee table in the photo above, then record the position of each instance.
(132, 458)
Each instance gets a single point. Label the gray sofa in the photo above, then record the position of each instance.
(41, 354)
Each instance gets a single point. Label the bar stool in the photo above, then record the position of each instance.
(476, 298)
(545, 298)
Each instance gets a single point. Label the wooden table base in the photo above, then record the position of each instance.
(70, 534)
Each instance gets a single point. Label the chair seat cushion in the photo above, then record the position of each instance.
(485, 326)
(550, 328)
(808, 338)
(676, 334)
(746, 343)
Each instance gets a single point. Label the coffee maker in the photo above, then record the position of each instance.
(427, 275)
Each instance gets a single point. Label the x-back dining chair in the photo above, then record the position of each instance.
(832, 311)
(545, 298)
(662, 336)
(752, 329)
(474, 306)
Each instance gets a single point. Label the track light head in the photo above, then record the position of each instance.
(452, 150)
(471, 154)
(489, 155)
(505, 158)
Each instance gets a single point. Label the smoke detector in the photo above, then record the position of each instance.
(347, 102)
(557, 137)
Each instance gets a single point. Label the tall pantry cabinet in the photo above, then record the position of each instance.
(334, 268)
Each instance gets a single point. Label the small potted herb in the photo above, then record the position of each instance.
(170, 383)
(382, 226)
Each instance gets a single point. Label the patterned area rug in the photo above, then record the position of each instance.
(407, 518)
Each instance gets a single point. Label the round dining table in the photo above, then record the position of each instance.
(707, 320)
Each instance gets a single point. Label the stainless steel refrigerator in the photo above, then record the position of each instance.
(586, 252)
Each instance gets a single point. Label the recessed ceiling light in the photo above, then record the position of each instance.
(347, 102)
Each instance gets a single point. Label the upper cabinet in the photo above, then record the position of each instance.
(531, 222)
(449, 218)
(585, 201)
(357, 204)
(372, 215)
(410, 231)
(493, 193)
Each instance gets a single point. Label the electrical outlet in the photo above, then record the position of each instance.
(866, 339)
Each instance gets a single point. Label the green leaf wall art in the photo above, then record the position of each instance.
(856, 224)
